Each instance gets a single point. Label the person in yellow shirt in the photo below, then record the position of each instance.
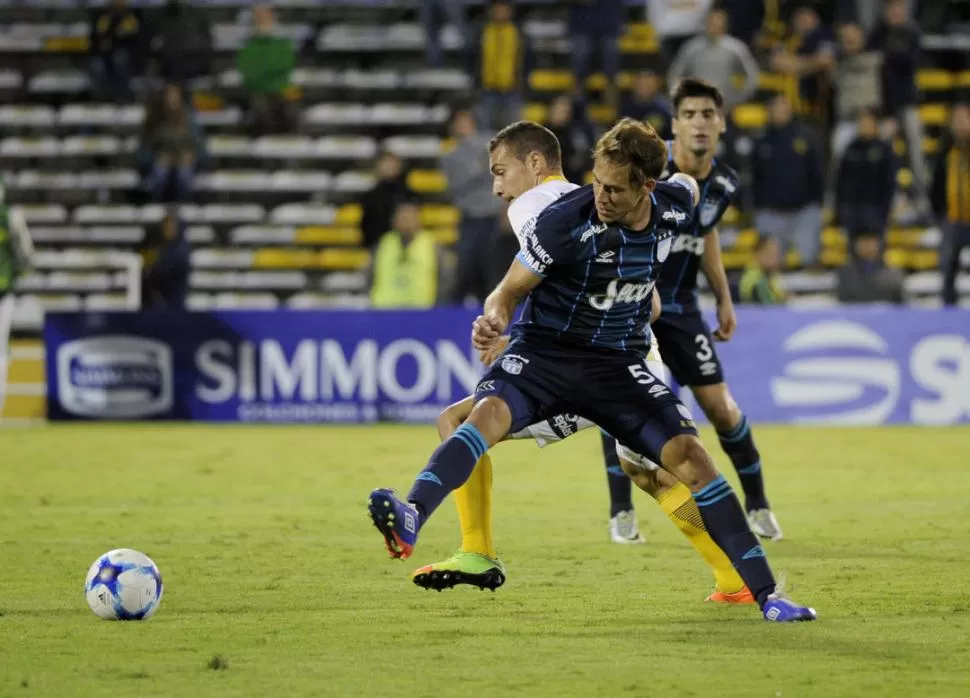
(502, 66)
(760, 282)
(405, 264)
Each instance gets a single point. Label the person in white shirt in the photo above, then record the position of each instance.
(526, 165)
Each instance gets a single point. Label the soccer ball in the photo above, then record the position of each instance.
(123, 584)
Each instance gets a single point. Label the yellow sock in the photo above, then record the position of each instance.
(474, 501)
(679, 506)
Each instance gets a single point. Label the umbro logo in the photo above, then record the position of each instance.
(594, 230)
(606, 257)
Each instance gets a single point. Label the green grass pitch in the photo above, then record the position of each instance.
(271, 566)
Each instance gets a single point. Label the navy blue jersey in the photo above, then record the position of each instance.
(677, 284)
(598, 277)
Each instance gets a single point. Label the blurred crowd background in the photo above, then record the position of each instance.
(315, 154)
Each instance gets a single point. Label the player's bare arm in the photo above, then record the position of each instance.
(500, 305)
(713, 267)
(656, 307)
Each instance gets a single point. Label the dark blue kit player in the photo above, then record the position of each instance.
(587, 273)
(687, 345)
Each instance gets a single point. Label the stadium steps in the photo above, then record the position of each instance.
(26, 385)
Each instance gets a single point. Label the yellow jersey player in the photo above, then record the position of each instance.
(524, 159)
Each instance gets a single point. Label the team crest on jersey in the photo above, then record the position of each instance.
(513, 364)
(708, 212)
(663, 249)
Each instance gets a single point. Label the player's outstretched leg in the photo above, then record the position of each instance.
(685, 457)
(623, 517)
(734, 433)
(476, 563)
(675, 499)
(450, 466)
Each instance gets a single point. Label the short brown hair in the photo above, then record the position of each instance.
(695, 87)
(634, 143)
(524, 137)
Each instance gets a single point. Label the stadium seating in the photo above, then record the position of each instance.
(274, 220)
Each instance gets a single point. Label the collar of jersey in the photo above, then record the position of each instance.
(553, 178)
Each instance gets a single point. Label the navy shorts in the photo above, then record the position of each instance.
(613, 389)
(687, 348)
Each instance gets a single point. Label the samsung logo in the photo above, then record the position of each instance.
(115, 377)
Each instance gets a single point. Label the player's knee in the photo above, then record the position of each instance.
(447, 422)
(721, 409)
(492, 418)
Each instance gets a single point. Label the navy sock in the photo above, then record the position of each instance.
(725, 521)
(450, 465)
(739, 445)
(621, 489)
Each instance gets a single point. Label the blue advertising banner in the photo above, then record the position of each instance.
(837, 366)
(256, 366)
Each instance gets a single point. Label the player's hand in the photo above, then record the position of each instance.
(485, 332)
(727, 321)
(488, 356)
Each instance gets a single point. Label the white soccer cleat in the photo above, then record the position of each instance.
(764, 524)
(623, 528)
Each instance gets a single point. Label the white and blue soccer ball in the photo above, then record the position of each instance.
(123, 584)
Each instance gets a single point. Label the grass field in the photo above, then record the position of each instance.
(271, 564)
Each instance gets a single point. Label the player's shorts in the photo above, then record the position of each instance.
(554, 392)
(562, 426)
(688, 349)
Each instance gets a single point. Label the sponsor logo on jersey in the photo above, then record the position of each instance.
(690, 244)
(674, 215)
(627, 293)
(606, 257)
(594, 230)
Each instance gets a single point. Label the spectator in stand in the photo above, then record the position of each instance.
(646, 102)
(431, 15)
(950, 197)
(899, 40)
(502, 68)
(717, 58)
(171, 146)
(596, 24)
(746, 18)
(675, 22)
(116, 38)
(266, 63)
(787, 182)
(165, 279)
(182, 41)
(858, 85)
(404, 271)
(470, 191)
(761, 283)
(866, 183)
(865, 278)
(809, 60)
(576, 137)
(379, 203)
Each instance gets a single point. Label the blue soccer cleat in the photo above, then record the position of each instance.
(396, 520)
(780, 609)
